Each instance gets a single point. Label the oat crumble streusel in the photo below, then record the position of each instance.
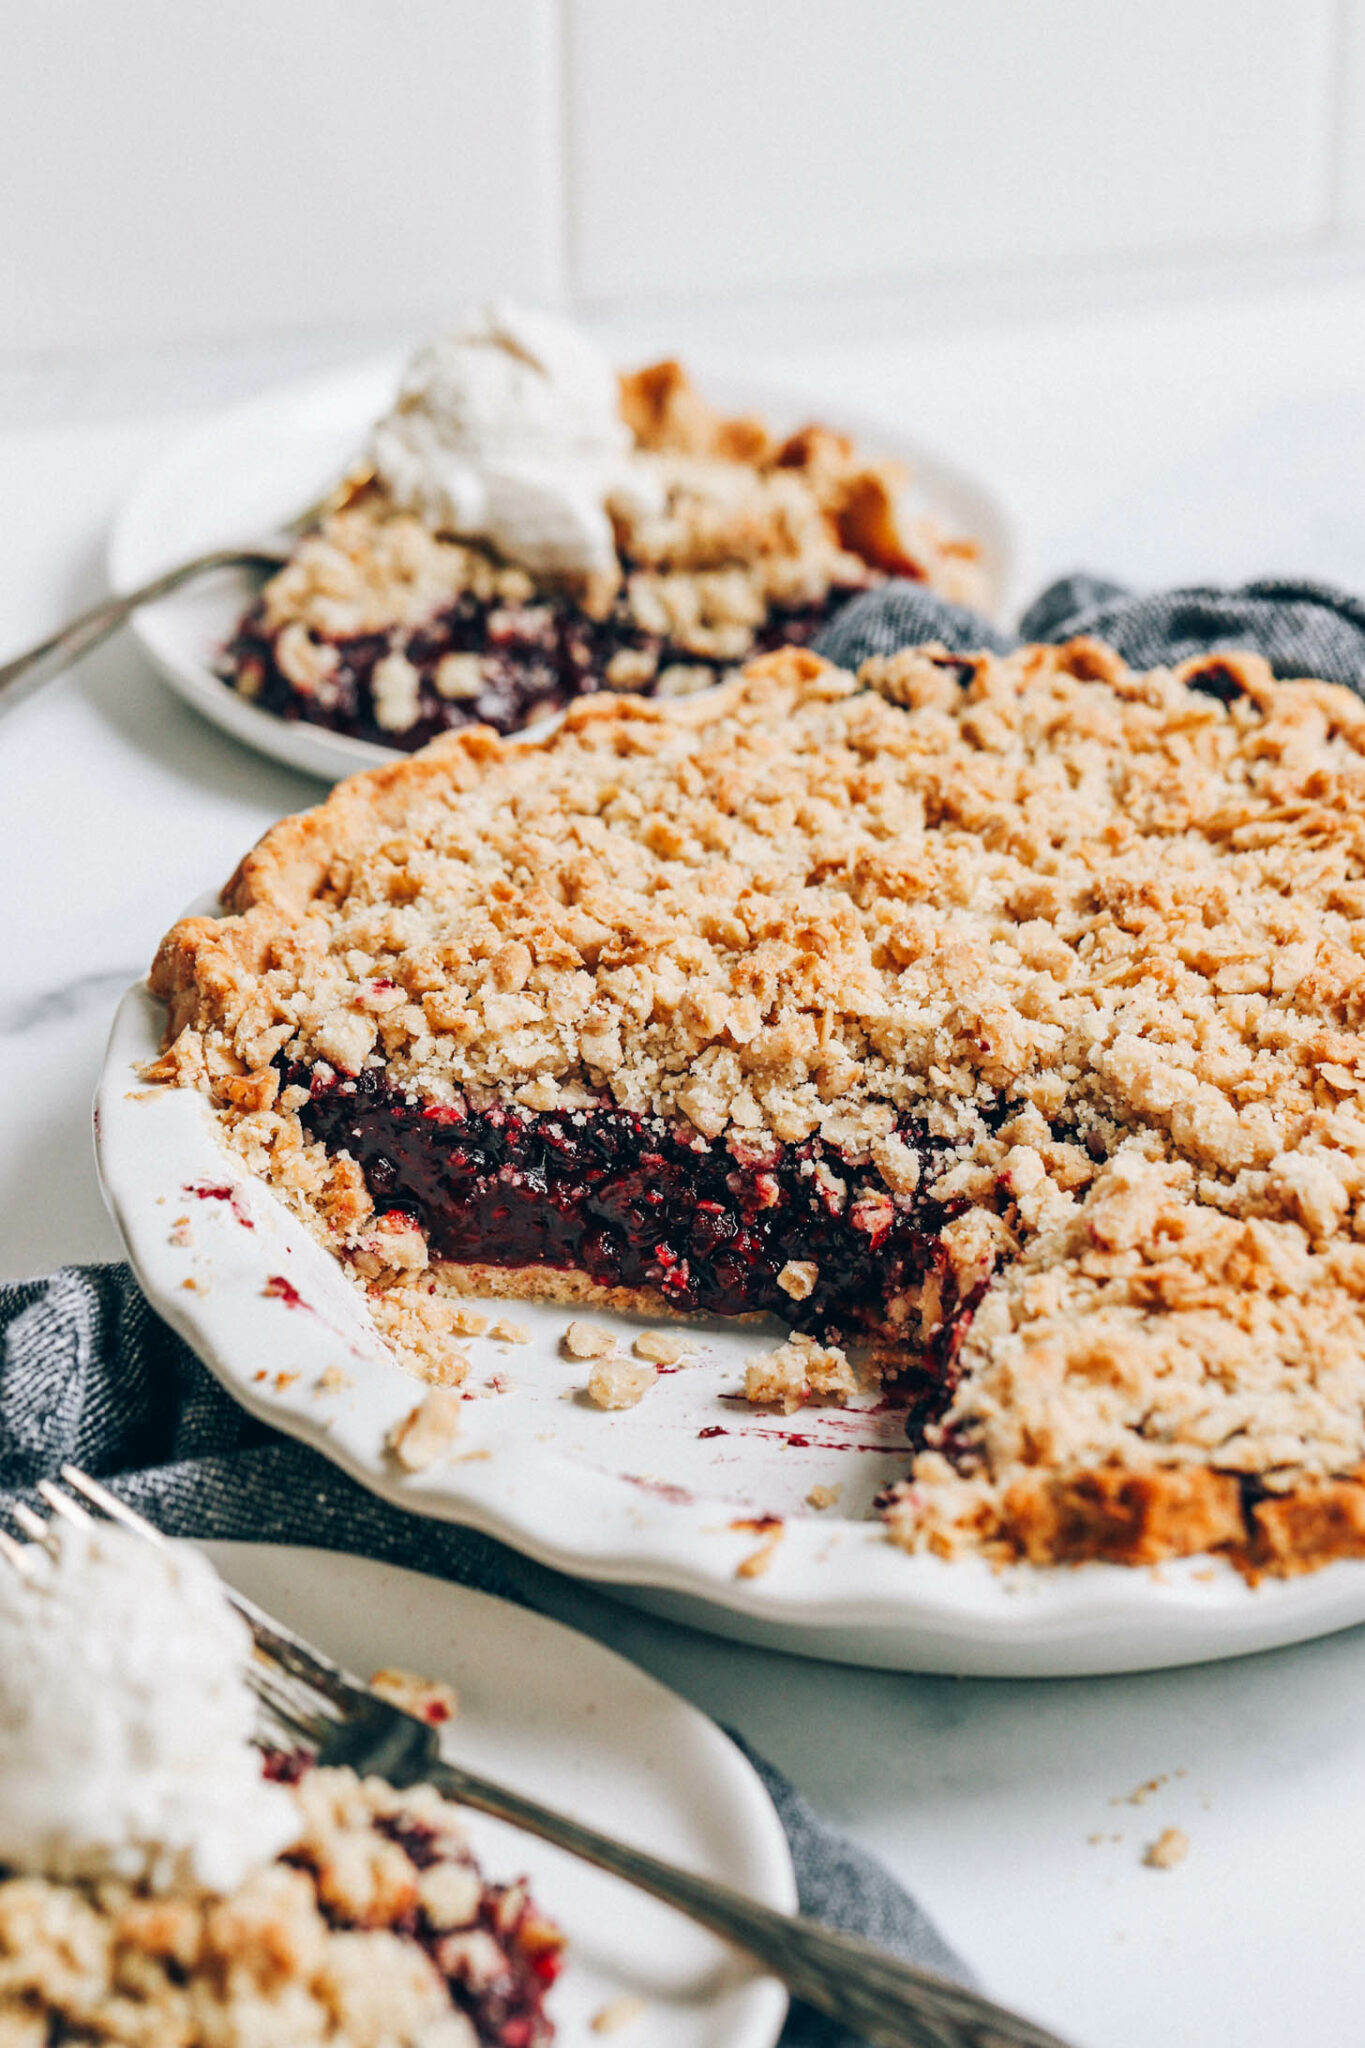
(375, 1930)
(1034, 978)
(381, 626)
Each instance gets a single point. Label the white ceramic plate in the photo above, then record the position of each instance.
(256, 465)
(659, 1500)
(555, 1715)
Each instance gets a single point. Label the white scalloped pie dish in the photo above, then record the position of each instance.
(658, 1501)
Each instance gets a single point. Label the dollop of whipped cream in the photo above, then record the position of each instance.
(508, 430)
(125, 1721)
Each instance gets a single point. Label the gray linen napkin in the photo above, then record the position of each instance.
(1302, 628)
(91, 1376)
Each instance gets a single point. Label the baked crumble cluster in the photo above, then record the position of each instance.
(1012, 1004)
(375, 1930)
(384, 628)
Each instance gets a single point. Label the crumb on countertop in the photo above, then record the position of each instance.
(1140, 1794)
(1171, 1846)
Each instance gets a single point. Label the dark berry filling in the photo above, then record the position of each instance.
(636, 1202)
(536, 658)
(500, 1982)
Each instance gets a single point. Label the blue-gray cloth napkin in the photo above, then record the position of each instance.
(89, 1374)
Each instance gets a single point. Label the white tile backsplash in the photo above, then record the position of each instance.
(728, 144)
(178, 170)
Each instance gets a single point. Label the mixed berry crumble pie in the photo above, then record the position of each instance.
(1003, 1011)
(429, 603)
(374, 1929)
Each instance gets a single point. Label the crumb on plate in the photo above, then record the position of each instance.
(588, 1340)
(426, 1699)
(617, 2013)
(798, 1371)
(619, 1382)
(427, 1431)
(661, 1347)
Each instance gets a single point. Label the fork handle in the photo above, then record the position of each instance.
(883, 2001)
(24, 672)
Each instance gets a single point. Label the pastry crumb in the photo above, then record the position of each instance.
(619, 1382)
(333, 1379)
(587, 1340)
(1140, 1794)
(798, 1278)
(505, 1331)
(772, 1529)
(426, 1699)
(617, 2013)
(1171, 1846)
(467, 1322)
(661, 1347)
(799, 1371)
(823, 1496)
(427, 1431)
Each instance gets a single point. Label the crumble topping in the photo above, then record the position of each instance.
(717, 529)
(351, 1943)
(797, 1372)
(1098, 934)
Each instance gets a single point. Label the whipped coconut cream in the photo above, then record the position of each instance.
(508, 430)
(125, 1721)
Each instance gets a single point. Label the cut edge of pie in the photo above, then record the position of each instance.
(1056, 967)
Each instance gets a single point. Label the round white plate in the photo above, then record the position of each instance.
(553, 1714)
(660, 1500)
(255, 466)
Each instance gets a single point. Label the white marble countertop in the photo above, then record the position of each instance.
(1214, 437)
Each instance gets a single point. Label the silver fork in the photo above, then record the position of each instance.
(306, 1701)
(24, 672)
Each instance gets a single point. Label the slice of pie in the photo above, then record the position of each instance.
(375, 1926)
(724, 540)
(1005, 1012)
